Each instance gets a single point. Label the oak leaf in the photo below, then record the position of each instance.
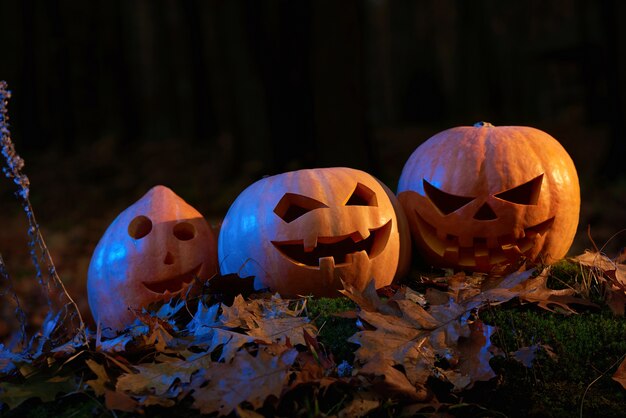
(253, 379)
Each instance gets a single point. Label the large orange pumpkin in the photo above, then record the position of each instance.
(482, 196)
(153, 250)
(302, 232)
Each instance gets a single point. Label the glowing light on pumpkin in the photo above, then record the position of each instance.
(153, 250)
(302, 232)
(482, 196)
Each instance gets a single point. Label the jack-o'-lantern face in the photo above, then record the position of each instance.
(480, 197)
(303, 232)
(153, 250)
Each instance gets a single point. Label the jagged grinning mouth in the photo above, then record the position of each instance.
(174, 284)
(480, 254)
(336, 247)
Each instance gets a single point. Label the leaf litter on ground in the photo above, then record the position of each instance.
(254, 351)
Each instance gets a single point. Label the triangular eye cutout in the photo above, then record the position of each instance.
(445, 202)
(362, 196)
(291, 206)
(524, 194)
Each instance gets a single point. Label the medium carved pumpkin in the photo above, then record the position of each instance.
(302, 232)
(483, 196)
(153, 250)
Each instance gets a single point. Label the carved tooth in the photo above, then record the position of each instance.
(511, 251)
(309, 243)
(442, 235)
(466, 257)
(361, 264)
(451, 254)
(360, 235)
(327, 270)
(506, 239)
(327, 264)
(481, 254)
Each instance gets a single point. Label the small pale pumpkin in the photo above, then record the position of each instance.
(302, 232)
(480, 197)
(152, 250)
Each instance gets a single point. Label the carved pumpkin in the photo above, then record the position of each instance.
(152, 250)
(302, 232)
(483, 196)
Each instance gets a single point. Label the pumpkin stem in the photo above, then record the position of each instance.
(483, 124)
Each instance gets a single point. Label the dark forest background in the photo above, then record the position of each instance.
(112, 97)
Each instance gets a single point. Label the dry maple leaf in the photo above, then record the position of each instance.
(223, 386)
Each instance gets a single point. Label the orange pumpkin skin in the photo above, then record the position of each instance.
(151, 251)
(302, 232)
(483, 196)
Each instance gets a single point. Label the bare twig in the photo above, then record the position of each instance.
(38, 250)
(582, 401)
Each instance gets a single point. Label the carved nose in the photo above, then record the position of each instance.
(485, 213)
(169, 258)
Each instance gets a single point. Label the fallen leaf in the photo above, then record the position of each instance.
(114, 400)
(475, 353)
(239, 314)
(616, 301)
(99, 385)
(204, 319)
(367, 299)
(228, 341)
(536, 290)
(612, 273)
(155, 378)
(159, 337)
(392, 381)
(114, 345)
(246, 378)
(278, 330)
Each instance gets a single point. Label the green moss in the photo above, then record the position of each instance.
(334, 331)
(564, 274)
(587, 346)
